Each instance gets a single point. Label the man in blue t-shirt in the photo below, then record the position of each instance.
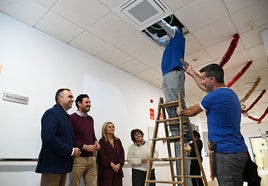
(223, 112)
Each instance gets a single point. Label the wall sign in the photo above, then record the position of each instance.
(15, 98)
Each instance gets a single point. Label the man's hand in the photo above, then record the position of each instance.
(77, 152)
(89, 148)
(179, 111)
(97, 145)
(144, 160)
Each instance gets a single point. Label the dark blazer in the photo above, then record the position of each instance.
(57, 142)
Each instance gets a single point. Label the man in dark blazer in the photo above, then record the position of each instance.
(57, 152)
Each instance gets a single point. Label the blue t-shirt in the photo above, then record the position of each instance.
(174, 50)
(223, 112)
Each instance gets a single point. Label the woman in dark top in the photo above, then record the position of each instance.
(110, 158)
(194, 167)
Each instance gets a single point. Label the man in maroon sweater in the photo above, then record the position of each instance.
(84, 138)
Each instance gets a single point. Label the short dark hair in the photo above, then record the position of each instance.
(80, 99)
(59, 92)
(214, 70)
(133, 132)
(196, 134)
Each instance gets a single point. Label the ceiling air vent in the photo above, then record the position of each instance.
(143, 13)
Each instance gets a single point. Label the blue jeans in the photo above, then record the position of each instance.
(138, 177)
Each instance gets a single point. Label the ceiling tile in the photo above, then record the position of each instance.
(113, 56)
(58, 27)
(149, 75)
(47, 3)
(232, 72)
(157, 82)
(237, 59)
(252, 16)
(218, 50)
(216, 32)
(251, 38)
(158, 68)
(236, 5)
(152, 58)
(257, 52)
(175, 5)
(20, 10)
(136, 45)
(112, 29)
(260, 63)
(198, 14)
(83, 13)
(112, 4)
(133, 66)
(198, 58)
(192, 45)
(89, 43)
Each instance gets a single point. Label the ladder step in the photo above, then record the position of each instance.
(169, 120)
(189, 176)
(169, 104)
(164, 159)
(169, 138)
(163, 181)
(191, 158)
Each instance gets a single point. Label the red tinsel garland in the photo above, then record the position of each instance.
(256, 101)
(239, 74)
(230, 50)
(259, 119)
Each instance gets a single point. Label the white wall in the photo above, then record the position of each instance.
(35, 65)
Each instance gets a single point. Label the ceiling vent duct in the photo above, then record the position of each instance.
(143, 13)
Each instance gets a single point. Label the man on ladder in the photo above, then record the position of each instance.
(173, 79)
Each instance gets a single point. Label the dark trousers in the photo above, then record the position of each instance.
(138, 177)
(195, 170)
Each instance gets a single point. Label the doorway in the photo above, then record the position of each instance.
(259, 147)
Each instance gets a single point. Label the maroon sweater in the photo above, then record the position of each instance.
(83, 127)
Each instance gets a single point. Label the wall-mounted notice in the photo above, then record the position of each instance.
(15, 98)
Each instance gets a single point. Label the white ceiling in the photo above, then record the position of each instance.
(93, 27)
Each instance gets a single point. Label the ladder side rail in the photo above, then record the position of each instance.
(171, 167)
(150, 163)
(182, 144)
(203, 175)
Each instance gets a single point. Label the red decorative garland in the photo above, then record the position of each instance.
(254, 103)
(239, 74)
(259, 119)
(230, 50)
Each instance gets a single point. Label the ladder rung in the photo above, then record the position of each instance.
(171, 138)
(189, 176)
(163, 181)
(168, 120)
(191, 158)
(165, 159)
(169, 104)
(193, 176)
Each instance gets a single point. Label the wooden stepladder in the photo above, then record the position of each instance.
(175, 179)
